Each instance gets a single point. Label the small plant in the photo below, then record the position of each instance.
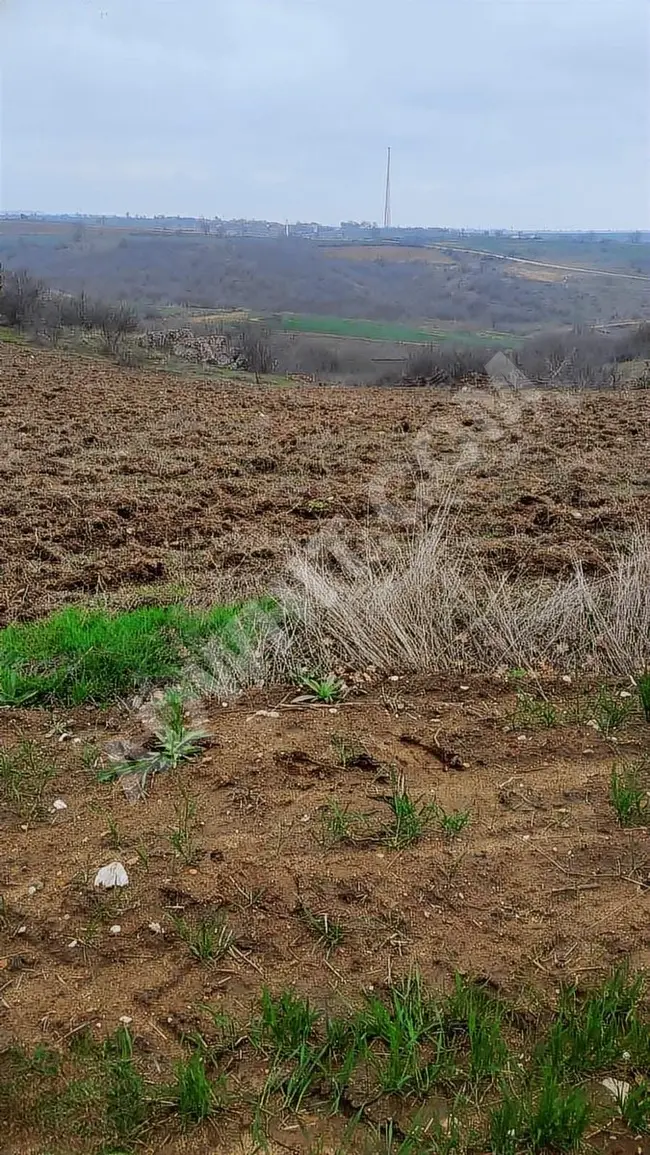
(611, 712)
(208, 939)
(453, 823)
(339, 824)
(24, 775)
(635, 1108)
(126, 1103)
(629, 795)
(328, 930)
(590, 1034)
(411, 818)
(327, 689)
(284, 1025)
(532, 713)
(554, 1118)
(643, 686)
(193, 1094)
(175, 743)
(181, 836)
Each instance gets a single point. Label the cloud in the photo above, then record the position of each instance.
(500, 112)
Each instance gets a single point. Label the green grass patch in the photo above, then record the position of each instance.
(89, 655)
(515, 1080)
(387, 331)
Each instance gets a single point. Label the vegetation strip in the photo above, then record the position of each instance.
(505, 1078)
(81, 655)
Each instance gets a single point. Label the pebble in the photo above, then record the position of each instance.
(126, 1019)
(115, 929)
(155, 928)
(112, 875)
(59, 804)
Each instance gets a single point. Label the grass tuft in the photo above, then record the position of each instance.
(411, 817)
(193, 1094)
(208, 939)
(628, 794)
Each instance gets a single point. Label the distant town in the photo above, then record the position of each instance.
(347, 232)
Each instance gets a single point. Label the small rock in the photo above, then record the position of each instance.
(625, 694)
(112, 875)
(155, 928)
(464, 687)
(618, 1088)
(22, 930)
(115, 929)
(73, 944)
(126, 1019)
(567, 678)
(59, 804)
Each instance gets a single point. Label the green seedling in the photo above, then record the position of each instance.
(411, 817)
(628, 795)
(174, 744)
(208, 939)
(328, 689)
(194, 1096)
(126, 1100)
(533, 713)
(339, 824)
(554, 1118)
(327, 930)
(181, 835)
(611, 712)
(635, 1108)
(453, 823)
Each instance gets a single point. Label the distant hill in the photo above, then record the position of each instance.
(287, 274)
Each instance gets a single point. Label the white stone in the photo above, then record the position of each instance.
(115, 929)
(155, 928)
(618, 1088)
(59, 804)
(112, 875)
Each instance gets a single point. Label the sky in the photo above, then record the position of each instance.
(499, 113)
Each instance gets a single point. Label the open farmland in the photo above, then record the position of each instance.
(384, 331)
(387, 918)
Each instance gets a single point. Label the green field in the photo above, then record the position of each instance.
(386, 331)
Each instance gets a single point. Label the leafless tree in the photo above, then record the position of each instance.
(20, 296)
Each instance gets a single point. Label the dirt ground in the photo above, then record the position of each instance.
(112, 480)
(125, 483)
(541, 887)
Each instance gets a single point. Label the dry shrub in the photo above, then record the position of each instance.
(434, 608)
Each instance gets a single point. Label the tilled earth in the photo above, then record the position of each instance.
(114, 481)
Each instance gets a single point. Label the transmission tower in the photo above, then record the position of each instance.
(387, 213)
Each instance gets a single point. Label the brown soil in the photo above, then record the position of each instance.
(543, 886)
(113, 480)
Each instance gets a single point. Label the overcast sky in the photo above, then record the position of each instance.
(504, 113)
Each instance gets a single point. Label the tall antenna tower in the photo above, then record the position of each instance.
(387, 212)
